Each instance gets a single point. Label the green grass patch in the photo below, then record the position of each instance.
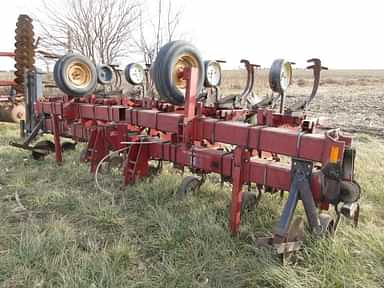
(73, 235)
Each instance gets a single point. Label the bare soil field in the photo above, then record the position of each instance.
(351, 99)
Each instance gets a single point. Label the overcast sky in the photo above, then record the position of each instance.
(344, 34)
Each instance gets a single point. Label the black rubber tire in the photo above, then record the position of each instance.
(104, 74)
(206, 64)
(190, 184)
(128, 77)
(46, 145)
(57, 75)
(162, 70)
(350, 191)
(275, 74)
(65, 85)
(57, 68)
(42, 149)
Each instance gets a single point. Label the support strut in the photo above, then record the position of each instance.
(300, 189)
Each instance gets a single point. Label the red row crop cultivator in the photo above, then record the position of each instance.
(238, 137)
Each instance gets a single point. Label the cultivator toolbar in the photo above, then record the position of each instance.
(238, 137)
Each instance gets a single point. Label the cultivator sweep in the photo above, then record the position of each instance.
(238, 137)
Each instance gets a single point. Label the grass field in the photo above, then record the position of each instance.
(59, 230)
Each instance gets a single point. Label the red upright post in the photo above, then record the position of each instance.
(56, 137)
(237, 185)
(98, 147)
(191, 76)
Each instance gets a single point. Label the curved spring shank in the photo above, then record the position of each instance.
(316, 75)
(250, 78)
(316, 66)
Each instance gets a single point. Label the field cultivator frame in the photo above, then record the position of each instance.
(320, 172)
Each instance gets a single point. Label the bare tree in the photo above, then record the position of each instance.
(98, 29)
(158, 29)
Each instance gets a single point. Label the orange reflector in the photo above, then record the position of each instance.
(334, 155)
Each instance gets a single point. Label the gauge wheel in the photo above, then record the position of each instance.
(104, 74)
(42, 149)
(171, 60)
(212, 74)
(45, 144)
(75, 75)
(134, 73)
(350, 191)
(280, 75)
(190, 184)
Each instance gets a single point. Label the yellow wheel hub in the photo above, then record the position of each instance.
(79, 74)
(286, 75)
(184, 61)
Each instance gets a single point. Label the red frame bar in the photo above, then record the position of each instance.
(7, 54)
(283, 141)
(7, 83)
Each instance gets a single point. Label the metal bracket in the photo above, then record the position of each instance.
(288, 238)
(33, 91)
(31, 136)
(300, 189)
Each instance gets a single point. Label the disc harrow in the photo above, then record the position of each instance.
(24, 50)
